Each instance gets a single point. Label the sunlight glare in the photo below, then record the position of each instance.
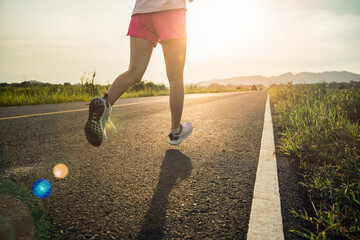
(219, 28)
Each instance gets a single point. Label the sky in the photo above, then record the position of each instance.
(56, 41)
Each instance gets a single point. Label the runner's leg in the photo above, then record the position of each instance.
(174, 53)
(140, 54)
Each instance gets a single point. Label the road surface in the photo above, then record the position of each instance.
(136, 185)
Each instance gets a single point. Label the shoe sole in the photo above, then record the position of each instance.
(177, 142)
(93, 129)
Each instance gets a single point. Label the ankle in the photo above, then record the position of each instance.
(176, 130)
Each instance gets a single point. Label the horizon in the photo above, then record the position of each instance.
(209, 80)
(316, 37)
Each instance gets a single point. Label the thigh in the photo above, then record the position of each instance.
(140, 54)
(174, 54)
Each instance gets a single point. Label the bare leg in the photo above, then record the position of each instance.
(140, 53)
(174, 54)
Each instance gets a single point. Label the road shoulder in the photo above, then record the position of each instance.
(292, 194)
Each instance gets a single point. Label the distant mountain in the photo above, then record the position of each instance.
(303, 77)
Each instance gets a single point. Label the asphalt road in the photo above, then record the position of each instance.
(135, 185)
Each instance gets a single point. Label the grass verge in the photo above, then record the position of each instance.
(320, 129)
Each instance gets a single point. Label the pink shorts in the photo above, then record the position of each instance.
(159, 26)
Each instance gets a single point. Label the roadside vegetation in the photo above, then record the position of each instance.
(319, 127)
(33, 92)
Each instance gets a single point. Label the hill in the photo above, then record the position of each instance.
(303, 77)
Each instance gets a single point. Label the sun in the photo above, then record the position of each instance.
(218, 27)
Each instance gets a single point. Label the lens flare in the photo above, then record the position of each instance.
(60, 171)
(6, 228)
(16, 221)
(42, 188)
(113, 126)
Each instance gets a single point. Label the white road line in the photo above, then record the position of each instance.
(265, 218)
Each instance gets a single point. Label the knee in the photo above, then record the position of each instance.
(175, 77)
(136, 73)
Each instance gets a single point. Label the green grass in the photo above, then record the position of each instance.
(30, 95)
(212, 90)
(320, 129)
(144, 93)
(15, 96)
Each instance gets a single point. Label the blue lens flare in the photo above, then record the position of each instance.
(42, 188)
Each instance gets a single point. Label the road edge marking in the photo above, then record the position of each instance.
(265, 216)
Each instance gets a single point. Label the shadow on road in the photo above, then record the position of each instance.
(176, 166)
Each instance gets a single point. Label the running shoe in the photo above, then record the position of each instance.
(99, 114)
(185, 131)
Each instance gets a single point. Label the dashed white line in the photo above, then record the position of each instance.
(265, 217)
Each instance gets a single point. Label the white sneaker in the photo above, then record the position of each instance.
(185, 131)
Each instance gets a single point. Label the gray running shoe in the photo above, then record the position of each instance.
(185, 131)
(99, 114)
